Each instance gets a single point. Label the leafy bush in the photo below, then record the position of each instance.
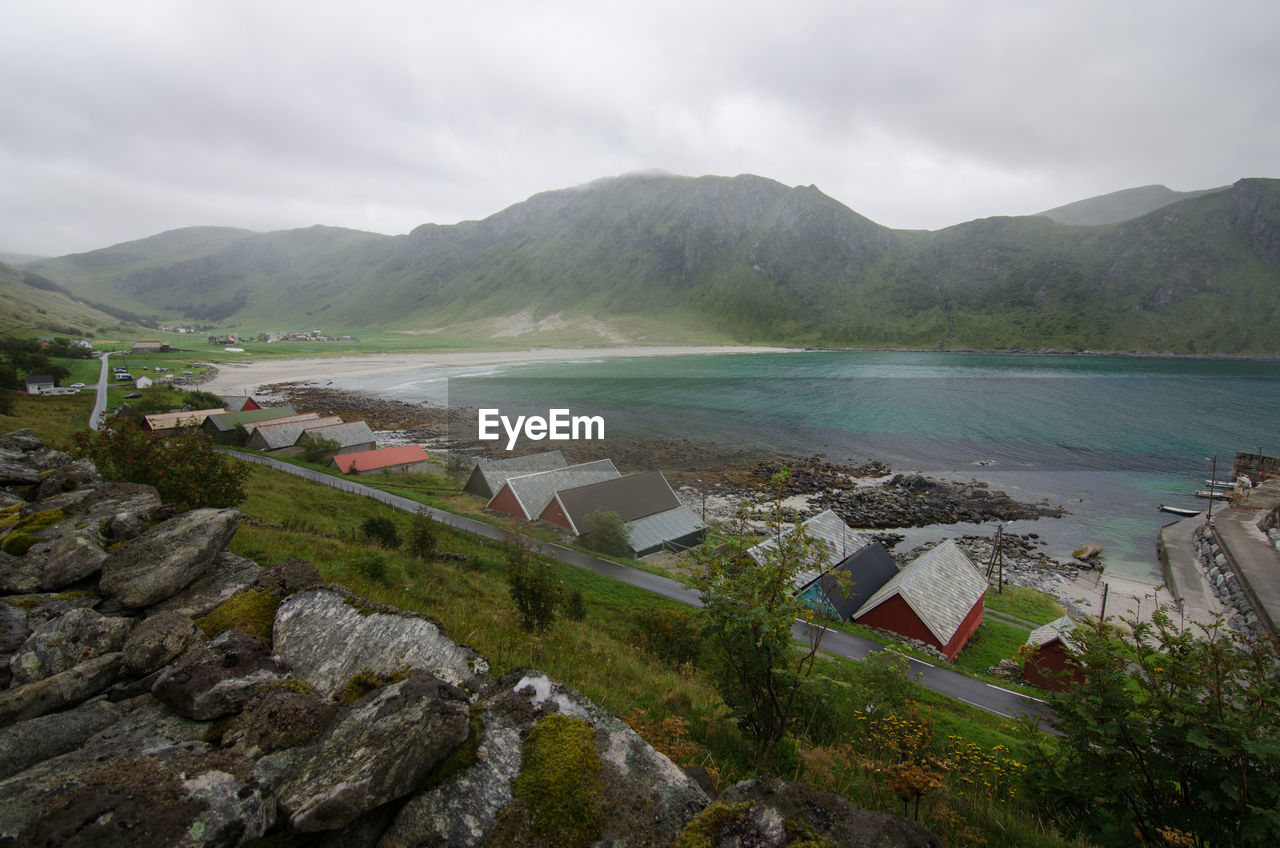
(534, 588)
(575, 609)
(671, 635)
(317, 449)
(381, 530)
(186, 470)
(371, 565)
(604, 531)
(423, 535)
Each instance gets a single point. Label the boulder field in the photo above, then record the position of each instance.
(157, 690)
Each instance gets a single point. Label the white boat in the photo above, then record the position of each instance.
(1218, 484)
(1216, 494)
(1178, 510)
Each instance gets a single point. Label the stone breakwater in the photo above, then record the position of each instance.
(157, 690)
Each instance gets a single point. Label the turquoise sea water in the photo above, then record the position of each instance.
(1109, 438)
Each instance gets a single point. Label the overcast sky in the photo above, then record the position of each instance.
(121, 120)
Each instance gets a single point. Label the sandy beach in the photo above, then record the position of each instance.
(244, 378)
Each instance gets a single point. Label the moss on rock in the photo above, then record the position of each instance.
(253, 611)
(559, 782)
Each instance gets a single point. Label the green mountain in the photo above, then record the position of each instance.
(657, 257)
(34, 306)
(1120, 205)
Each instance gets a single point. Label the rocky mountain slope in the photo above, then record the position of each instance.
(742, 258)
(158, 690)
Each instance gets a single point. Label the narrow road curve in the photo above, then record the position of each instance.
(942, 680)
(100, 402)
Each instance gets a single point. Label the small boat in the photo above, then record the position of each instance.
(1178, 510)
(1215, 494)
(1218, 484)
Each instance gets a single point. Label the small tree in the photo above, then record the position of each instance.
(535, 591)
(318, 449)
(1173, 731)
(748, 610)
(423, 534)
(459, 466)
(603, 531)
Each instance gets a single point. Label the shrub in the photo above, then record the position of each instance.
(671, 635)
(318, 450)
(187, 470)
(381, 530)
(253, 611)
(371, 565)
(604, 531)
(575, 609)
(534, 588)
(423, 535)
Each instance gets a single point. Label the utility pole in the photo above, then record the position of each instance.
(1213, 478)
(997, 558)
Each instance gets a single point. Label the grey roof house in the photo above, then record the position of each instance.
(490, 475)
(527, 495)
(352, 437)
(646, 503)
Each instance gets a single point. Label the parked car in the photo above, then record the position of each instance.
(132, 395)
(77, 385)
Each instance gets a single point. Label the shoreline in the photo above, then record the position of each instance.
(237, 378)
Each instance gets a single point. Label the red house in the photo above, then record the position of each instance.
(239, 403)
(1050, 662)
(937, 599)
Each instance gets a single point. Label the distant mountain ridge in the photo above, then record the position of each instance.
(1119, 206)
(655, 256)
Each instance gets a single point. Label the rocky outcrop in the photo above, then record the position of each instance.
(328, 635)
(136, 709)
(168, 557)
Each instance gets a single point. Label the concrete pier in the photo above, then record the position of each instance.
(1240, 532)
(1238, 529)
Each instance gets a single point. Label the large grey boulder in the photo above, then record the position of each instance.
(769, 813)
(13, 627)
(66, 475)
(157, 641)
(65, 642)
(59, 691)
(19, 441)
(168, 557)
(182, 795)
(146, 727)
(327, 635)
(217, 678)
(229, 575)
(277, 720)
(66, 558)
(35, 740)
(16, 471)
(644, 798)
(379, 750)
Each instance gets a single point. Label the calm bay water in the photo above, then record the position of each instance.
(1109, 438)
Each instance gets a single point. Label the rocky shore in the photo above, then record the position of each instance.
(156, 690)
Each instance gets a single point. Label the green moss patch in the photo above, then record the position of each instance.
(559, 781)
(18, 543)
(253, 611)
(360, 684)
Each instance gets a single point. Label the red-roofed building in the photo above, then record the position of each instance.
(407, 458)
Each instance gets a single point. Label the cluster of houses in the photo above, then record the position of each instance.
(242, 422)
(544, 487)
(936, 599)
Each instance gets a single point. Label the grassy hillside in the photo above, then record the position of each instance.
(661, 258)
(33, 306)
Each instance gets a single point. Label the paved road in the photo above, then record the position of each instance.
(100, 403)
(942, 680)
